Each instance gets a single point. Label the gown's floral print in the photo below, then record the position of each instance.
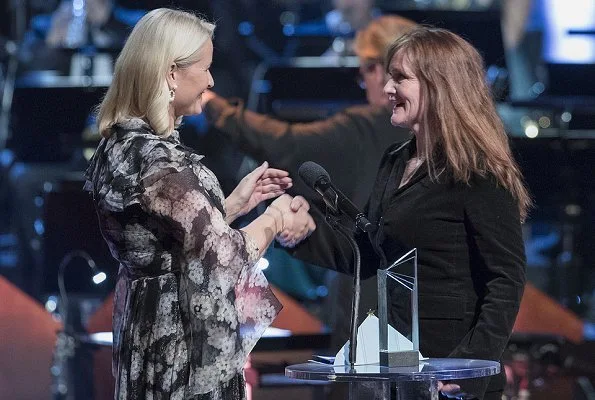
(189, 303)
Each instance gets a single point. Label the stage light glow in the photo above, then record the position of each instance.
(262, 264)
(544, 122)
(51, 304)
(531, 130)
(99, 277)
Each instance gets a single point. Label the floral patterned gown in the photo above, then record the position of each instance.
(189, 303)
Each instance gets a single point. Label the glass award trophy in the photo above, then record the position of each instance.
(399, 375)
(398, 312)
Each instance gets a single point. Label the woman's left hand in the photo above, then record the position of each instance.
(261, 184)
(451, 390)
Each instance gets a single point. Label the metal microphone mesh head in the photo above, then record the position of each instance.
(310, 172)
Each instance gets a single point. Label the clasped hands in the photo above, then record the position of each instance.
(263, 183)
(294, 222)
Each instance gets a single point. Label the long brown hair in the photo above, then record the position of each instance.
(462, 128)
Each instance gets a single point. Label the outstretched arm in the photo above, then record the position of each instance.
(283, 144)
(263, 183)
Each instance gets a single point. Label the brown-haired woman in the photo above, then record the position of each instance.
(455, 193)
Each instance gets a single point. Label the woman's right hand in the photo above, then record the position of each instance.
(297, 225)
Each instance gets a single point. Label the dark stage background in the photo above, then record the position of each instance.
(283, 59)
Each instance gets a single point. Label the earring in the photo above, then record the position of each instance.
(172, 94)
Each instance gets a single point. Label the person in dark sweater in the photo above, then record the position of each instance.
(455, 193)
(349, 145)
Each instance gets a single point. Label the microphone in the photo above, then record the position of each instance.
(318, 179)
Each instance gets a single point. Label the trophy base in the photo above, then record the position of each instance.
(407, 358)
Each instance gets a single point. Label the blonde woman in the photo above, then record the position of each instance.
(190, 303)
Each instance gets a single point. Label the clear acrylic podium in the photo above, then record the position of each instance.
(375, 382)
(399, 374)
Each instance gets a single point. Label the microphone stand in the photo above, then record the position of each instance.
(346, 233)
(72, 368)
(336, 204)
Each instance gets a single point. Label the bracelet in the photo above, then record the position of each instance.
(282, 219)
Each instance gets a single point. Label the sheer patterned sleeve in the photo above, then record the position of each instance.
(224, 297)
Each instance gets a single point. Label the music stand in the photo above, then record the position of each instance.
(70, 223)
(304, 89)
(49, 114)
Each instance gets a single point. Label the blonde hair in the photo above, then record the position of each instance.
(162, 38)
(371, 42)
(463, 130)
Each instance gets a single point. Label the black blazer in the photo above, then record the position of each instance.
(471, 260)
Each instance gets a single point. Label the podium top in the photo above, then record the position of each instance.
(428, 370)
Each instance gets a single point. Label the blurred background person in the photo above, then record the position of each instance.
(522, 34)
(358, 134)
(349, 145)
(89, 27)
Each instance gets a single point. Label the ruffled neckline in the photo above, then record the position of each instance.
(135, 124)
(116, 176)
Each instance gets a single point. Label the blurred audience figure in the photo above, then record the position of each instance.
(349, 145)
(522, 31)
(359, 133)
(93, 28)
(348, 17)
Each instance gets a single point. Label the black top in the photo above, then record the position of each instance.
(471, 260)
